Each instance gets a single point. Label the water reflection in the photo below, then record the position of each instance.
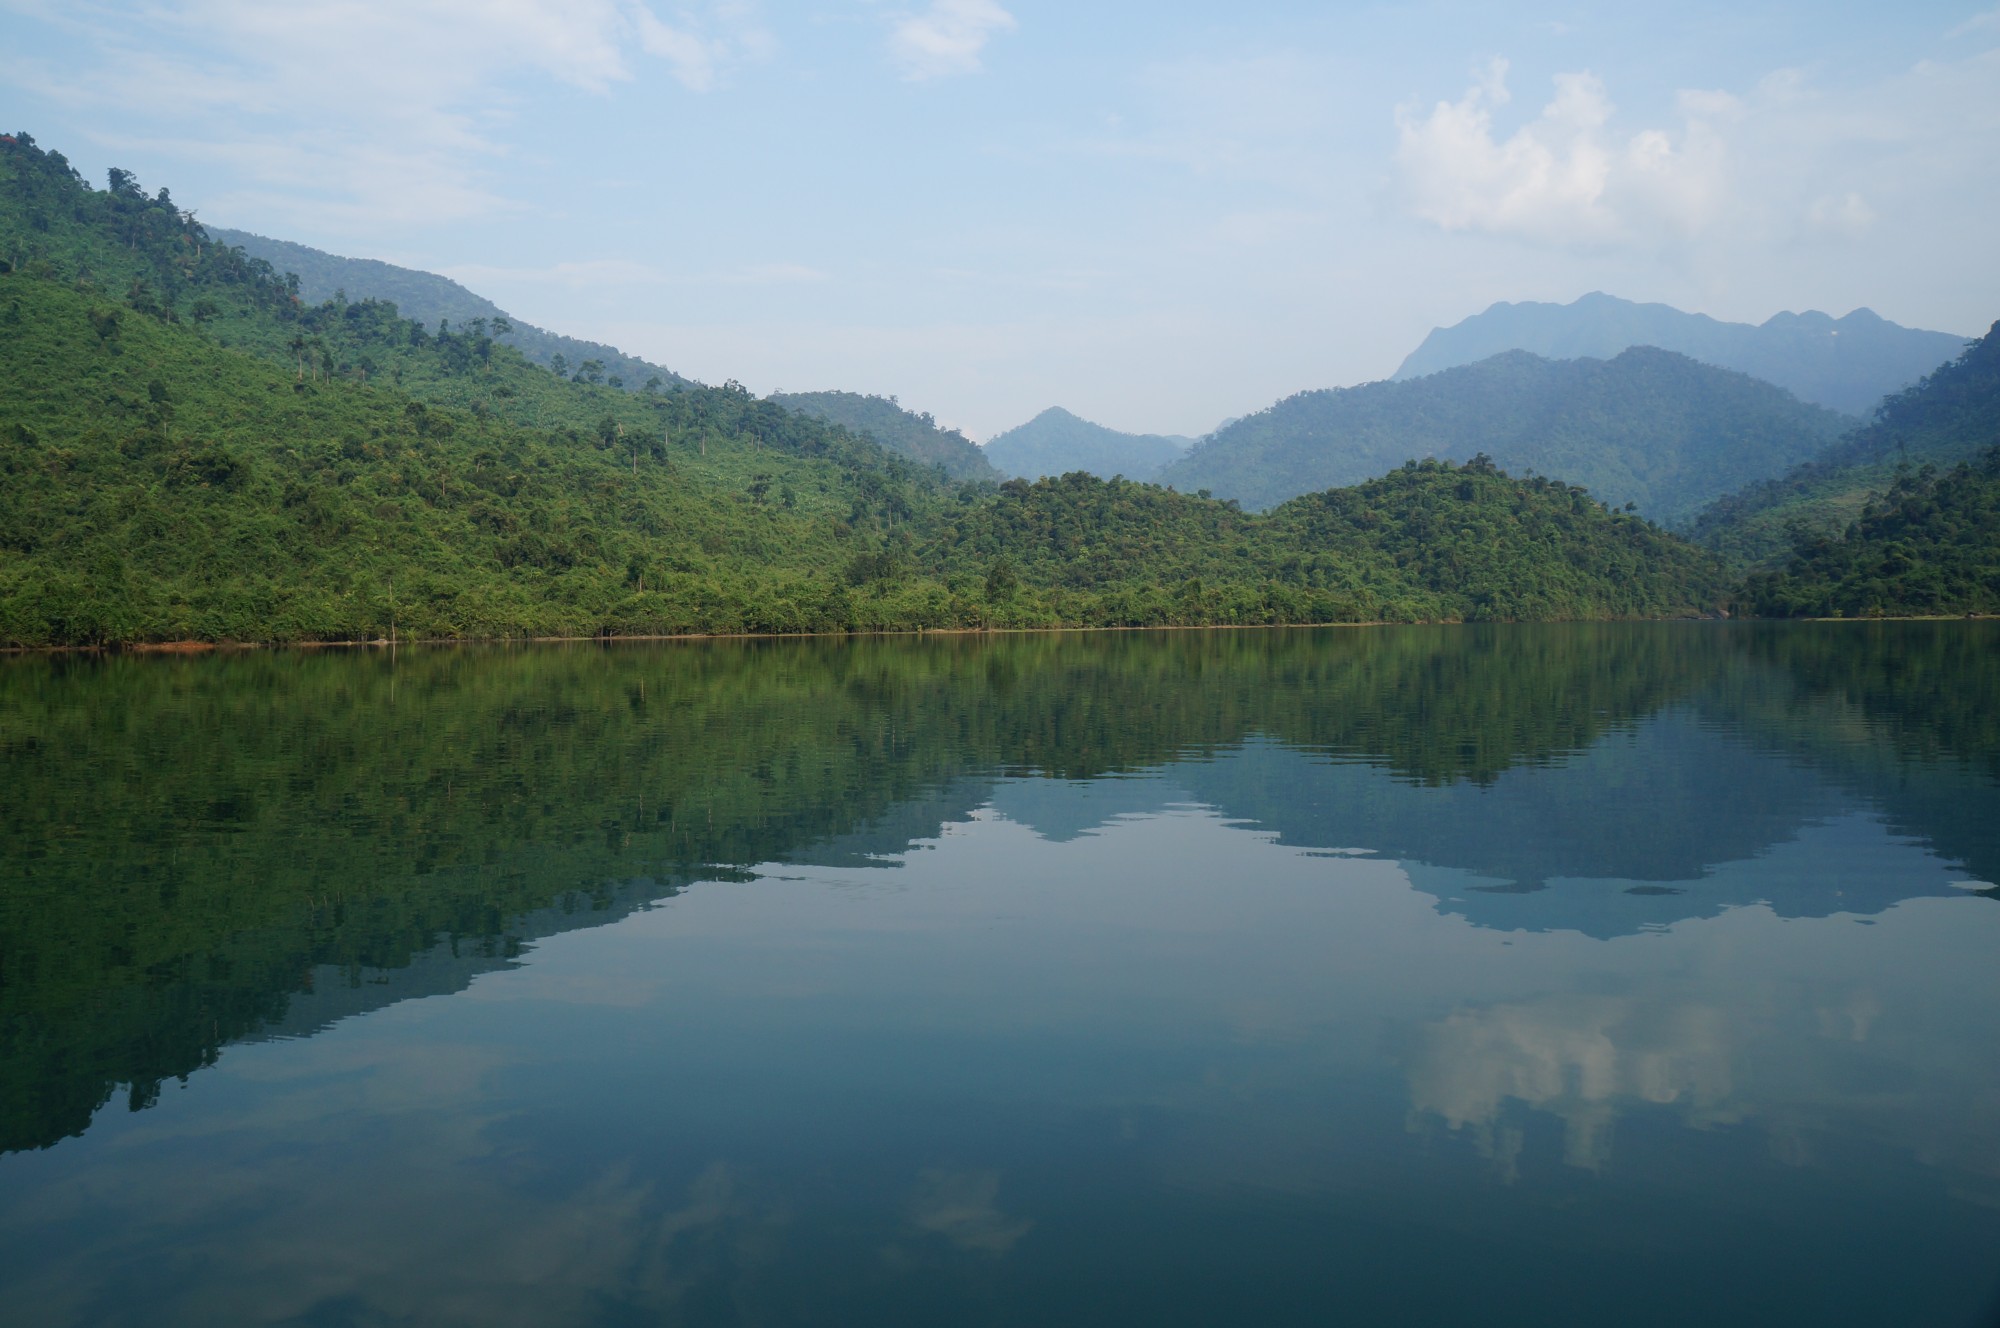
(208, 850)
(1813, 1041)
(1174, 978)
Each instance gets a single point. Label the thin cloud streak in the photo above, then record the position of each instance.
(946, 39)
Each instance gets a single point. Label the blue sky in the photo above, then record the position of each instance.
(1156, 215)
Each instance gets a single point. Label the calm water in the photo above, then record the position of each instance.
(1597, 975)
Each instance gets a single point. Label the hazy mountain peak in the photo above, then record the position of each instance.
(1057, 441)
(1644, 425)
(1847, 363)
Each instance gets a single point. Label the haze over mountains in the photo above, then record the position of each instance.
(1056, 442)
(192, 450)
(1952, 419)
(1847, 363)
(1649, 427)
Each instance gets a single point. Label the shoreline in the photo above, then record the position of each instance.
(195, 647)
(383, 643)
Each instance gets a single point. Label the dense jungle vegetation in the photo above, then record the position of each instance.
(191, 450)
(1929, 545)
(1949, 417)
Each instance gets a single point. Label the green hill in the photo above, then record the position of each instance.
(1952, 416)
(436, 301)
(1650, 427)
(1847, 364)
(1923, 485)
(1429, 541)
(1056, 442)
(191, 450)
(916, 436)
(1929, 545)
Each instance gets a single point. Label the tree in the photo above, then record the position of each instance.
(105, 322)
(1001, 579)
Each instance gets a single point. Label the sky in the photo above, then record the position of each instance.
(1157, 215)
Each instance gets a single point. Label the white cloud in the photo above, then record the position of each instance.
(701, 54)
(947, 38)
(1988, 21)
(622, 276)
(1565, 176)
(606, 273)
(1849, 214)
(383, 109)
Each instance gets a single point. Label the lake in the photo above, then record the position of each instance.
(1638, 974)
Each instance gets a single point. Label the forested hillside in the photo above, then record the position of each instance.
(1056, 442)
(1650, 428)
(1930, 545)
(434, 301)
(1952, 416)
(191, 450)
(916, 436)
(1847, 363)
(1431, 540)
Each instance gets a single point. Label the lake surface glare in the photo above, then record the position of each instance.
(1595, 974)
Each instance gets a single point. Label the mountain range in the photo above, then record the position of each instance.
(192, 450)
(1847, 364)
(1056, 442)
(1950, 419)
(1648, 427)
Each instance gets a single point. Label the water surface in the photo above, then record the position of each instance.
(1624, 974)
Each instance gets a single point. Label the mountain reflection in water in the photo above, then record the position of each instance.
(1394, 921)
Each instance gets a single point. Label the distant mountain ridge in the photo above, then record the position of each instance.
(431, 300)
(1847, 364)
(1056, 442)
(1649, 427)
(1951, 418)
(914, 435)
(1915, 538)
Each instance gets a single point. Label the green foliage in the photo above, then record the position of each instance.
(207, 456)
(1479, 545)
(1430, 541)
(1649, 427)
(906, 433)
(1930, 545)
(1951, 416)
(177, 489)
